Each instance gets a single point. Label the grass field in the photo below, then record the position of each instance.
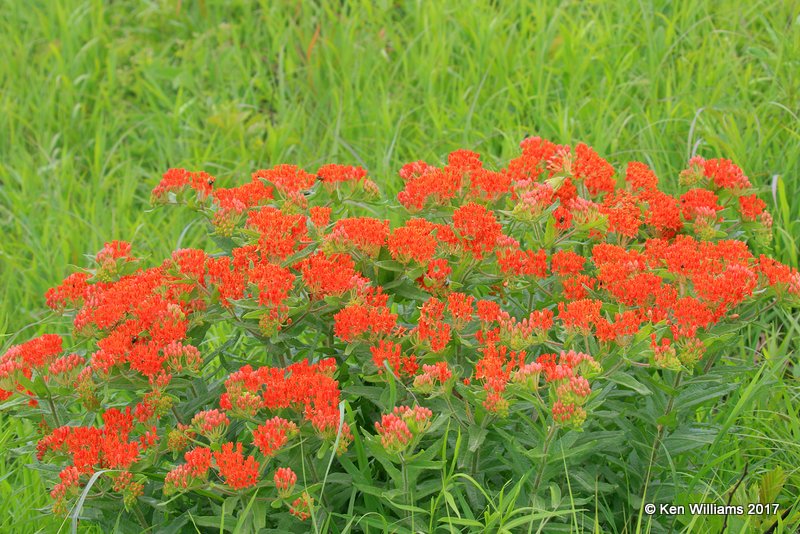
(99, 98)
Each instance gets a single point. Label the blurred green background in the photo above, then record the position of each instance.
(99, 98)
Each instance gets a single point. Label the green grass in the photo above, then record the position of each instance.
(99, 98)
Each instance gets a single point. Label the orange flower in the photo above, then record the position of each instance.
(239, 472)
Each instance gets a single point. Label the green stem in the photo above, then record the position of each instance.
(656, 441)
(177, 417)
(762, 312)
(537, 234)
(547, 440)
(453, 412)
(254, 332)
(52, 405)
(475, 461)
(543, 290)
(465, 274)
(610, 371)
(564, 237)
(140, 516)
(406, 489)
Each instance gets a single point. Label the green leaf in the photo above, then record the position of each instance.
(391, 265)
(79, 506)
(198, 333)
(771, 485)
(626, 380)
(477, 435)
(245, 514)
(669, 421)
(549, 232)
(451, 502)
(224, 243)
(408, 507)
(461, 521)
(410, 291)
(687, 438)
(215, 522)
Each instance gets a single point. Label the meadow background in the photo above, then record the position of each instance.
(99, 98)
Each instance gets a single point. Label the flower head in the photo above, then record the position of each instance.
(237, 471)
(285, 479)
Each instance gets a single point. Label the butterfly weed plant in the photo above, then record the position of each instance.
(480, 354)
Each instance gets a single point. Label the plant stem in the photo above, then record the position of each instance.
(656, 441)
(543, 290)
(453, 412)
(475, 461)
(610, 371)
(52, 406)
(177, 417)
(547, 440)
(140, 516)
(761, 312)
(406, 489)
(254, 332)
(732, 492)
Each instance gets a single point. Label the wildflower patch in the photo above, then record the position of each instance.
(333, 350)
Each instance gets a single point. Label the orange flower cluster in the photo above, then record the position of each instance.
(388, 351)
(363, 234)
(91, 448)
(237, 471)
(198, 462)
(304, 387)
(285, 479)
(302, 506)
(177, 180)
(273, 435)
(416, 241)
(210, 423)
(433, 377)
(399, 428)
